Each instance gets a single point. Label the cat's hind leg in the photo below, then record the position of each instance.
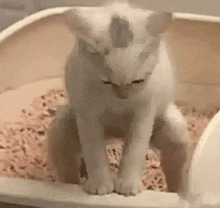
(64, 148)
(169, 135)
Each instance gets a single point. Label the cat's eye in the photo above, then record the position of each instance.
(106, 82)
(138, 81)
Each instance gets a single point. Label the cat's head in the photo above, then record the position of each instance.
(122, 41)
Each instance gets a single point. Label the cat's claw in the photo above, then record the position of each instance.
(128, 186)
(99, 188)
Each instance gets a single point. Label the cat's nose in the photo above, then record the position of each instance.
(122, 91)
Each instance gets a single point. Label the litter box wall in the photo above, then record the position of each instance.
(36, 48)
(33, 49)
(195, 47)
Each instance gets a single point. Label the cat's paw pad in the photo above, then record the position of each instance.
(105, 186)
(128, 186)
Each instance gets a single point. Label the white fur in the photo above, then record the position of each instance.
(97, 106)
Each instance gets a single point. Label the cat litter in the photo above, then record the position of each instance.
(23, 146)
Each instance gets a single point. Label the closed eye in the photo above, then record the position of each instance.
(106, 82)
(138, 81)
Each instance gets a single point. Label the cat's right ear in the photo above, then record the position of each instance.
(159, 22)
(77, 23)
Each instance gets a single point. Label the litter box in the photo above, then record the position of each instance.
(32, 58)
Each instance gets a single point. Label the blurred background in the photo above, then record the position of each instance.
(14, 10)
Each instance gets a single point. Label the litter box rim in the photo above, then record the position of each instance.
(59, 10)
(47, 194)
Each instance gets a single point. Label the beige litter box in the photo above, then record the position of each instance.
(32, 57)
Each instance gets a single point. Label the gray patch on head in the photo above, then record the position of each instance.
(120, 33)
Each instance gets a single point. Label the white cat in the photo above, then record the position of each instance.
(120, 82)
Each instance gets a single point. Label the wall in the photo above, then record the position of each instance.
(13, 10)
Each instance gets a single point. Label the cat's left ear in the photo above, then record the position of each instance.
(77, 22)
(159, 22)
(85, 22)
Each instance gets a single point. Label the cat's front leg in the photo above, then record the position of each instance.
(94, 152)
(135, 149)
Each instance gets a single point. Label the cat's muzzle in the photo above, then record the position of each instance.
(122, 91)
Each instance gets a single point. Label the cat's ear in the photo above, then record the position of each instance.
(78, 23)
(159, 22)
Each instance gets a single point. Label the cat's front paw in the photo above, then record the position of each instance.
(100, 187)
(128, 187)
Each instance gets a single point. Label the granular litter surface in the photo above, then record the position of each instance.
(23, 146)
